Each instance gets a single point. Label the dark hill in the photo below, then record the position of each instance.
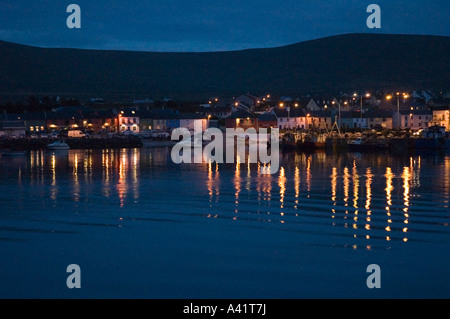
(339, 63)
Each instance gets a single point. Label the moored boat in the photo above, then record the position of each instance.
(58, 145)
(433, 138)
(362, 144)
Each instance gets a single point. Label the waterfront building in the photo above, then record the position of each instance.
(12, 128)
(35, 122)
(100, 120)
(267, 120)
(322, 120)
(441, 117)
(129, 121)
(64, 119)
(190, 120)
(378, 119)
(345, 121)
(290, 118)
(158, 119)
(413, 119)
(242, 119)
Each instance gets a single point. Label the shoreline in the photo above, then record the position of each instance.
(339, 145)
(28, 144)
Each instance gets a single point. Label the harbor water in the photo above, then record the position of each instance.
(140, 226)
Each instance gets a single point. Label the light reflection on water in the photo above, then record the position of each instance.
(317, 204)
(367, 197)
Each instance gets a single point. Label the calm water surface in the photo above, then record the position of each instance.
(140, 226)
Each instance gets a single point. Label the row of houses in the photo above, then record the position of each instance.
(159, 119)
(135, 120)
(413, 111)
(96, 121)
(416, 100)
(296, 118)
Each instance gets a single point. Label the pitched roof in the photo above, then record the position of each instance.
(13, 124)
(267, 117)
(350, 114)
(319, 113)
(280, 112)
(293, 112)
(240, 114)
(416, 112)
(377, 114)
(190, 116)
(35, 116)
(297, 112)
(219, 109)
(64, 115)
(440, 101)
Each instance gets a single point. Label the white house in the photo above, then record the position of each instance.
(413, 120)
(290, 118)
(190, 120)
(128, 121)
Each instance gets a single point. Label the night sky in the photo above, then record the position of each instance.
(206, 25)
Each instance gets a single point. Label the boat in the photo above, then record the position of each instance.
(356, 142)
(14, 153)
(288, 142)
(58, 145)
(362, 144)
(312, 142)
(433, 138)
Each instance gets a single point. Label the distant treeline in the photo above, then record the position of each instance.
(34, 104)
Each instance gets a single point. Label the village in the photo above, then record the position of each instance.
(306, 121)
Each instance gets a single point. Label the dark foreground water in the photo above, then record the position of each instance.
(140, 226)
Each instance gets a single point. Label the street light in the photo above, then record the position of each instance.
(405, 96)
(361, 97)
